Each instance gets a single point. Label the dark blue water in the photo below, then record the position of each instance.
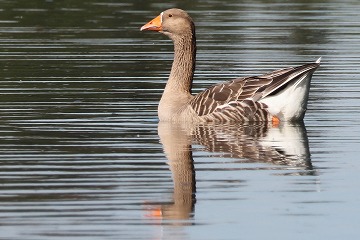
(82, 154)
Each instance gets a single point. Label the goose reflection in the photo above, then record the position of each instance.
(281, 145)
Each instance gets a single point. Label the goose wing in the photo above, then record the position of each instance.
(238, 99)
(236, 90)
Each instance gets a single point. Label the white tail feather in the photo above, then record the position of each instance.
(290, 104)
(319, 60)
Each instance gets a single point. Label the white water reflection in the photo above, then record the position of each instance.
(285, 145)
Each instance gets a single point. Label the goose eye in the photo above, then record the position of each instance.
(170, 15)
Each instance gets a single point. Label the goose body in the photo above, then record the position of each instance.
(280, 95)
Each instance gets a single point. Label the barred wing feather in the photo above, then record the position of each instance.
(238, 100)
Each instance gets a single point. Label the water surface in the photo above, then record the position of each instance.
(82, 153)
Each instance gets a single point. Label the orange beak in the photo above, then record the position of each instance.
(153, 25)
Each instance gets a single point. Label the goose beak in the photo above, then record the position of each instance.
(153, 25)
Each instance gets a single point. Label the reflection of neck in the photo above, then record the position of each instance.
(183, 173)
(177, 147)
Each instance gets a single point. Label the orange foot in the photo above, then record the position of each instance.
(275, 121)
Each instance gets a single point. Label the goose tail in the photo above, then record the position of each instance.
(288, 102)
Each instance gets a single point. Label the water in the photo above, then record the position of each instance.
(83, 156)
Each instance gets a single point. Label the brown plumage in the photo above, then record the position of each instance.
(280, 95)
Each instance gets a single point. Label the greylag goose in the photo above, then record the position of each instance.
(276, 96)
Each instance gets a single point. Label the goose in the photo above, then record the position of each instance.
(277, 96)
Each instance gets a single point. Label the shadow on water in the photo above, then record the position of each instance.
(285, 146)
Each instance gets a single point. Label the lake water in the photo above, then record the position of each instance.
(82, 153)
